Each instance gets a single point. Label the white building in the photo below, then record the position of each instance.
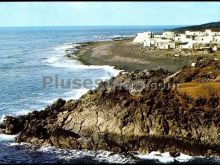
(208, 32)
(216, 39)
(165, 44)
(204, 39)
(187, 45)
(158, 36)
(179, 37)
(193, 33)
(142, 36)
(182, 38)
(149, 42)
(159, 43)
(214, 33)
(168, 45)
(188, 40)
(168, 35)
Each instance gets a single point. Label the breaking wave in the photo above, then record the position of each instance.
(4, 137)
(101, 156)
(64, 47)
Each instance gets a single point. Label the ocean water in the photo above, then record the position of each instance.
(29, 56)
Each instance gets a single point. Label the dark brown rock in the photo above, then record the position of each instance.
(121, 117)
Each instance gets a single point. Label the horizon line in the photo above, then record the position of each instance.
(85, 25)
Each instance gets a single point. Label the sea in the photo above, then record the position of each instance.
(31, 60)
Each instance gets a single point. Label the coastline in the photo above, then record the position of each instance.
(150, 138)
(124, 55)
(105, 100)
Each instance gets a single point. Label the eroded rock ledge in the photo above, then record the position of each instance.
(124, 118)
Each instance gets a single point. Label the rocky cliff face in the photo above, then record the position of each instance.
(133, 112)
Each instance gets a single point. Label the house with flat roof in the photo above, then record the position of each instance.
(171, 40)
(168, 35)
(142, 36)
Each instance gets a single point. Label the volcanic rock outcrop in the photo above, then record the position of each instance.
(137, 111)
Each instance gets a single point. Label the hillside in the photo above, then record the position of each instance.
(215, 26)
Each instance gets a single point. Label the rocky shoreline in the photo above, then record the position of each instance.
(142, 111)
(124, 55)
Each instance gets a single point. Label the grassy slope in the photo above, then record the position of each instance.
(200, 90)
(201, 87)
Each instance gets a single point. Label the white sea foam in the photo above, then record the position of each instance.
(64, 46)
(50, 101)
(17, 113)
(4, 137)
(75, 45)
(100, 155)
(77, 65)
(13, 144)
(165, 157)
(74, 64)
(52, 59)
(183, 158)
(155, 155)
(62, 62)
(110, 157)
(20, 144)
(60, 50)
(2, 118)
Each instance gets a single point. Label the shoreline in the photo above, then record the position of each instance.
(124, 55)
(117, 120)
(61, 137)
(60, 106)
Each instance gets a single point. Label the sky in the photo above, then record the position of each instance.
(107, 13)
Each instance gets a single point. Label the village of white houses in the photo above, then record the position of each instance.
(206, 41)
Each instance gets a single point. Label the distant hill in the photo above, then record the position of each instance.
(215, 26)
